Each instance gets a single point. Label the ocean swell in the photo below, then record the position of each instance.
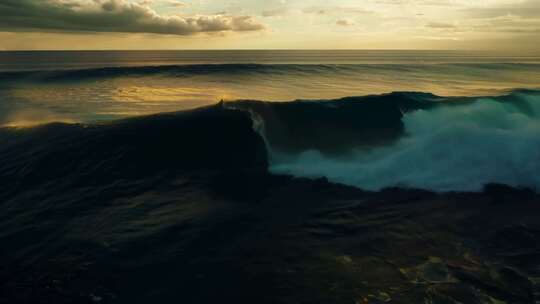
(412, 140)
(229, 70)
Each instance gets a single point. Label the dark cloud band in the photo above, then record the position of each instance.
(111, 16)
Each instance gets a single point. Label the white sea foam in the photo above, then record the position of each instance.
(448, 148)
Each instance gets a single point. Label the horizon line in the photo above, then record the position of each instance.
(257, 49)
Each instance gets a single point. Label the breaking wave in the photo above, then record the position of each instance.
(416, 140)
(408, 140)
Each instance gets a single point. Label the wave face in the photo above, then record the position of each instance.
(72, 155)
(407, 140)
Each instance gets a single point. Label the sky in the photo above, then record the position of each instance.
(500, 25)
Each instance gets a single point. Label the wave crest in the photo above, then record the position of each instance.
(454, 146)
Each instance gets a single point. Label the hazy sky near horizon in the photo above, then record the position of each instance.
(501, 25)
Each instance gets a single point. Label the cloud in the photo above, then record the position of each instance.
(326, 10)
(440, 25)
(275, 12)
(525, 9)
(112, 16)
(508, 24)
(417, 2)
(146, 2)
(176, 3)
(344, 22)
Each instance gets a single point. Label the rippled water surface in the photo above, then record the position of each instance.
(93, 86)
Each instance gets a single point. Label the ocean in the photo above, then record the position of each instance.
(447, 120)
(96, 86)
(269, 177)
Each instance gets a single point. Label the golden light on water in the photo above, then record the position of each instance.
(156, 96)
(29, 119)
